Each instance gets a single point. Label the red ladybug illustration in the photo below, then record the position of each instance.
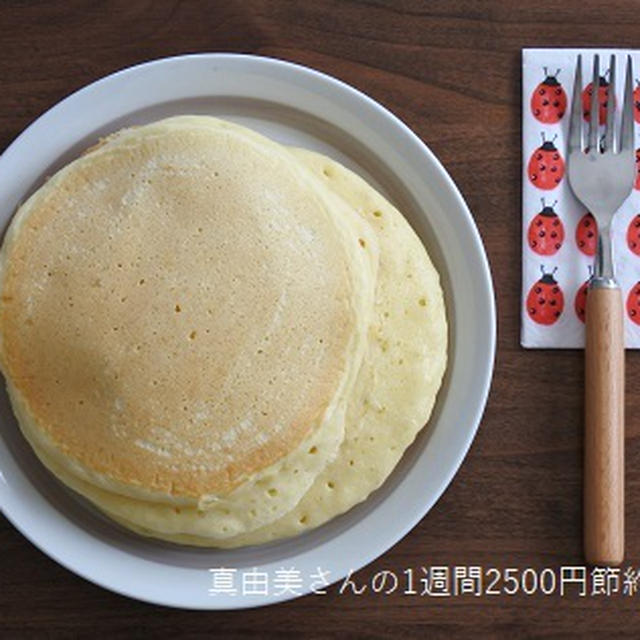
(633, 235)
(633, 303)
(636, 185)
(636, 102)
(545, 301)
(546, 231)
(587, 234)
(546, 166)
(603, 98)
(580, 303)
(548, 100)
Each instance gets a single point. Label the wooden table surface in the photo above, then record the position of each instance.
(451, 71)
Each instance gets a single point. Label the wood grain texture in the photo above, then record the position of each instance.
(451, 70)
(604, 428)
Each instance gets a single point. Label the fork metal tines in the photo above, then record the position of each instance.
(602, 169)
(610, 142)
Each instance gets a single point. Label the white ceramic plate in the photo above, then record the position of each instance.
(299, 106)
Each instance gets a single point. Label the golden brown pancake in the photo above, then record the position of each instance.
(180, 309)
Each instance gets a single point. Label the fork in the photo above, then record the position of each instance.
(601, 173)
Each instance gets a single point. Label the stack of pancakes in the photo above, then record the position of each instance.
(216, 339)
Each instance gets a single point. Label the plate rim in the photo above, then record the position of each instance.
(83, 567)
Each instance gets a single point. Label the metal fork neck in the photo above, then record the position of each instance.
(603, 269)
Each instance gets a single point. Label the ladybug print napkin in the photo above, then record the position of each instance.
(559, 235)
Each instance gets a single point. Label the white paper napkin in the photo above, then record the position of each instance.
(558, 234)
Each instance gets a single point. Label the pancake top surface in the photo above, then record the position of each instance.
(176, 308)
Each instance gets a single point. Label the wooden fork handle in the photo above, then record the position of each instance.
(604, 428)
